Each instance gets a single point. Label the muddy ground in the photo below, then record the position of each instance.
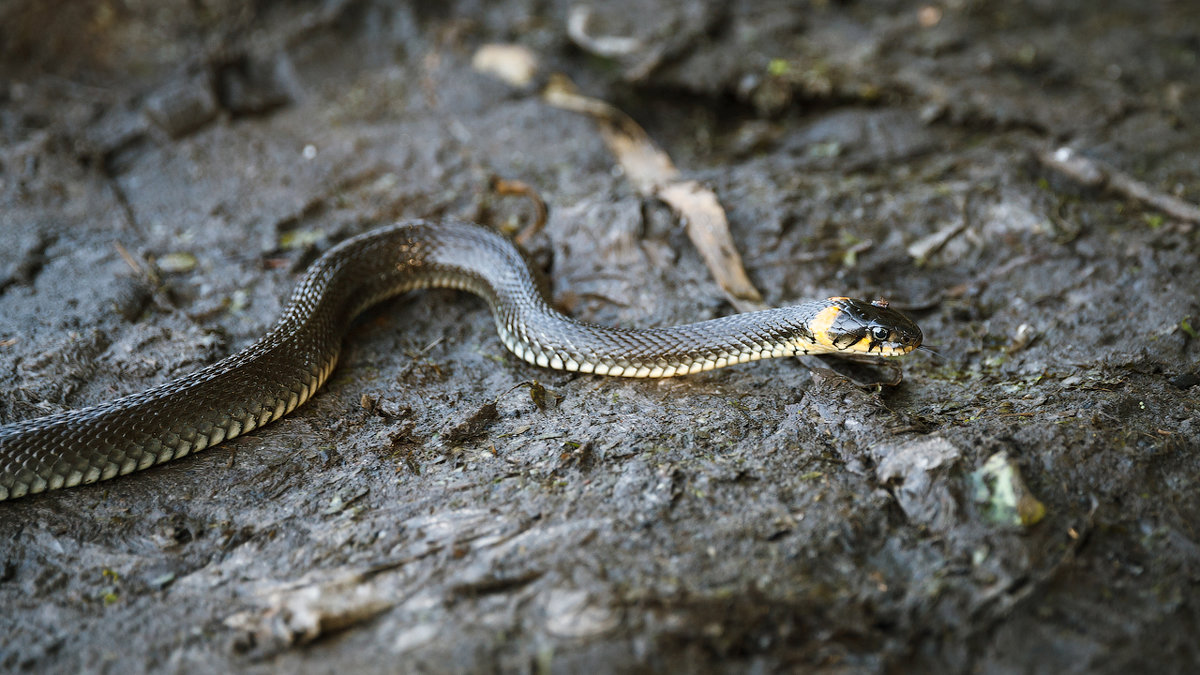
(1026, 502)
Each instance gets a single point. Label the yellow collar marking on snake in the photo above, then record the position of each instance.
(823, 322)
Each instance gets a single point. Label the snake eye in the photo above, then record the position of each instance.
(880, 333)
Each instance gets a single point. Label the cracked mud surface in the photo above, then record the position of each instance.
(429, 511)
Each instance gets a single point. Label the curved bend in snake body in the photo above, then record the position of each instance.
(273, 376)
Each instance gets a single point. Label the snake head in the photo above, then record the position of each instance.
(851, 326)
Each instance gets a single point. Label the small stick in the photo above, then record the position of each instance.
(1094, 173)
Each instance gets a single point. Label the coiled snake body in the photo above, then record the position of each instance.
(273, 376)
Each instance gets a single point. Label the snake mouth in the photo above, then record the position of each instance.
(869, 346)
(893, 349)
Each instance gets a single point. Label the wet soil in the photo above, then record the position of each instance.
(1024, 501)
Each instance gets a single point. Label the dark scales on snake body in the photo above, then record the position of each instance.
(276, 374)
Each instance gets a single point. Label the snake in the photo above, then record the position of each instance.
(276, 374)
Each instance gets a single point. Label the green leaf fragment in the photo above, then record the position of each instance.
(1185, 325)
(1003, 497)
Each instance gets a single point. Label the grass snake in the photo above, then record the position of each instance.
(279, 372)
